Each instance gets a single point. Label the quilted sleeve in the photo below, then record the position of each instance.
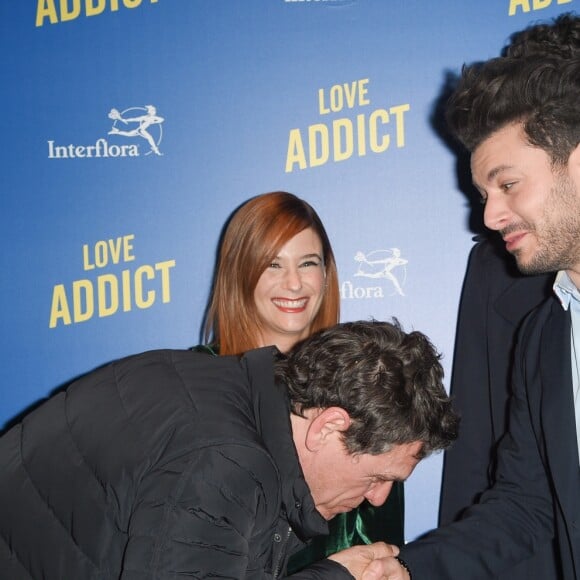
(208, 514)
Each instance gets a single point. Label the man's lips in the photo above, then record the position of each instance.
(512, 240)
(348, 507)
(290, 305)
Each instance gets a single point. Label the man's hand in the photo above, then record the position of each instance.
(358, 560)
(385, 569)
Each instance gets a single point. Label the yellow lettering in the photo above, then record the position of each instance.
(322, 131)
(81, 287)
(164, 268)
(86, 262)
(361, 134)
(101, 254)
(93, 10)
(362, 91)
(75, 11)
(72, 9)
(377, 147)
(109, 251)
(337, 127)
(46, 9)
(112, 290)
(398, 111)
(322, 109)
(524, 4)
(535, 5)
(128, 248)
(352, 93)
(140, 300)
(126, 274)
(295, 151)
(371, 134)
(59, 309)
(336, 100)
(107, 284)
(115, 248)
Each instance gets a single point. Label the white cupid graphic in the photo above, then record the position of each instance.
(380, 264)
(142, 130)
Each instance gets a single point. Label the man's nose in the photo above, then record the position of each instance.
(379, 493)
(496, 213)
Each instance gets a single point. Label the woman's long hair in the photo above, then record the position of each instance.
(251, 241)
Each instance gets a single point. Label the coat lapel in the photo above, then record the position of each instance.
(521, 296)
(557, 408)
(512, 303)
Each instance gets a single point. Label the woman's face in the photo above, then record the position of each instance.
(289, 292)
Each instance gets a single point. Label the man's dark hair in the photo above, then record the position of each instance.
(389, 382)
(560, 37)
(540, 92)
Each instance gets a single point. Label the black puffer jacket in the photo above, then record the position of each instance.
(165, 465)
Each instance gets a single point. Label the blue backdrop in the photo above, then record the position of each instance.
(133, 128)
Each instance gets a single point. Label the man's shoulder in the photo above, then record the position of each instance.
(490, 258)
(180, 365)
(493, 275)
(163, 386)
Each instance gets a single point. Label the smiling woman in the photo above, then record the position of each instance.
(276, 280)
(276, 283)
(290, 290)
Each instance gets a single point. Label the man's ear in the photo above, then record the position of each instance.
(324, 425)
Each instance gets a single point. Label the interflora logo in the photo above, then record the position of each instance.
(386, 268)
(132, 130)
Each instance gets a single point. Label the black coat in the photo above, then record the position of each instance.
(536, 493)
(495, 299)
(168, 464)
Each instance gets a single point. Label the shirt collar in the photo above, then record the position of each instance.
(565, 289)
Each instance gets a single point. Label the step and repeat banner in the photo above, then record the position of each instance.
(133, 128)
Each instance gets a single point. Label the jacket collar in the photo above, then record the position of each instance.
(272, 411)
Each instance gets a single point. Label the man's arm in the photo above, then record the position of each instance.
(495, 299)
(213, 514)
(465, 468)
(514, 517)
(354, 562)
(197, 515)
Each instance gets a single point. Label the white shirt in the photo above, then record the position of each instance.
(569, 297)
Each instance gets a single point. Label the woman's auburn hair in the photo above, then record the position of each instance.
(254, 235)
